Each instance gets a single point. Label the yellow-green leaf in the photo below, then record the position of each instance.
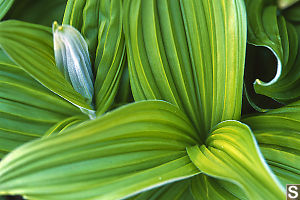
(31, 47)
(231, 154)
(137, 147)
(190, 53)
(278, 135)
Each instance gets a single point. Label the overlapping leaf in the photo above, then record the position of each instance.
(134, 148)
(231, 154)
(175, 191)
(5, 6)
(100, 22)
(31, 47)
(42, 12)
(278, 136)
(206, 187)
(190, 53)
(27, 109)
(282, 38)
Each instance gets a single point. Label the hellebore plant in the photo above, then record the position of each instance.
(62, 137)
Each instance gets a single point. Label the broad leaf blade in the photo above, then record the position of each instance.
(231, 154)
(198, 68)
(27, 109)
(277, 133)
(134, 148)
(31, 47)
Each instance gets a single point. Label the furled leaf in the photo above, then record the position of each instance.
(102, 30)
(5, 6)
(31, 47)
(27, 109)
(129, 150)
(278, 135)
(42, 12)
(282, 38)
(190, 53)
(231, 154)
(176, 191)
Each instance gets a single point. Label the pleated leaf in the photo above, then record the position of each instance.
(27, 109)
(176, 191)
(278, 136)
(282, 38)
(100, 23)
(129, 150)
(5, 6)
(231, 154)
(190, 53)
(206, 187)
(31, 47)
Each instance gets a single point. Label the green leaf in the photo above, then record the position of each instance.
(231, 154)
(31, 47)
(27, 109)
(61, 126)
(190, 53)
(102, 30)
(5, 6)
(129, 150)
(282, 38)
(206, 187)
(277, 133)
(176, 191)
(42, 12)
(110, 54)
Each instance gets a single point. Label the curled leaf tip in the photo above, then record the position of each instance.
(73, 60)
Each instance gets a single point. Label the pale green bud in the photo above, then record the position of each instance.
(72, 59)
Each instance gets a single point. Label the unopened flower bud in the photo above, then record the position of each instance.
(72, 59)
